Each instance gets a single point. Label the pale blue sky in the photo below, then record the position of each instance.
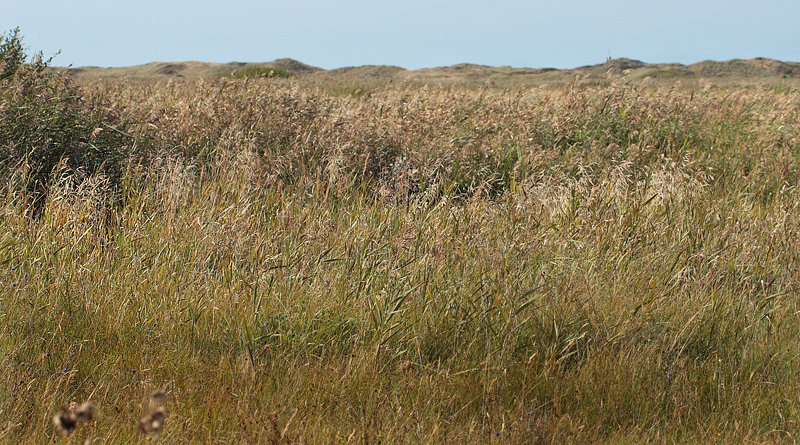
(411, 33)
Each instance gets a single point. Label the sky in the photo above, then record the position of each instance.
(411, 34)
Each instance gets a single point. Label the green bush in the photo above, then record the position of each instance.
(261, 71)
(48, 131)
(12, 52)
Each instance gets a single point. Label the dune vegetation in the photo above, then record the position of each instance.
(298, 260)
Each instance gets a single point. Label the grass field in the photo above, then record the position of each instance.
(305, 261)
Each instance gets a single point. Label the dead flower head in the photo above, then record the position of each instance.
(65, 421)
(68, 418)
(85, 412)
(154, 422)
(157, 395)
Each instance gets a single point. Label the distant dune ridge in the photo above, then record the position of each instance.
(758, 68)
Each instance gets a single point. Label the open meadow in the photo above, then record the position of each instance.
(302, 260)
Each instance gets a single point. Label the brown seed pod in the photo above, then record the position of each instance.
(65, 421)
(154, 422)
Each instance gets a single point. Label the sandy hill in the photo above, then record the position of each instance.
(732, 70)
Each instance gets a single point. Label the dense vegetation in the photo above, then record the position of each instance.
(260, 71)
(303, 261)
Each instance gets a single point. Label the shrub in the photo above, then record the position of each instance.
(12, 54)
(48, 131)
(253, 72)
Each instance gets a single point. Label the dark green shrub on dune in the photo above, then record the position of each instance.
(49, 131)
(254, 72)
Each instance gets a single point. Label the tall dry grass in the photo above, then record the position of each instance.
(416, 264)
